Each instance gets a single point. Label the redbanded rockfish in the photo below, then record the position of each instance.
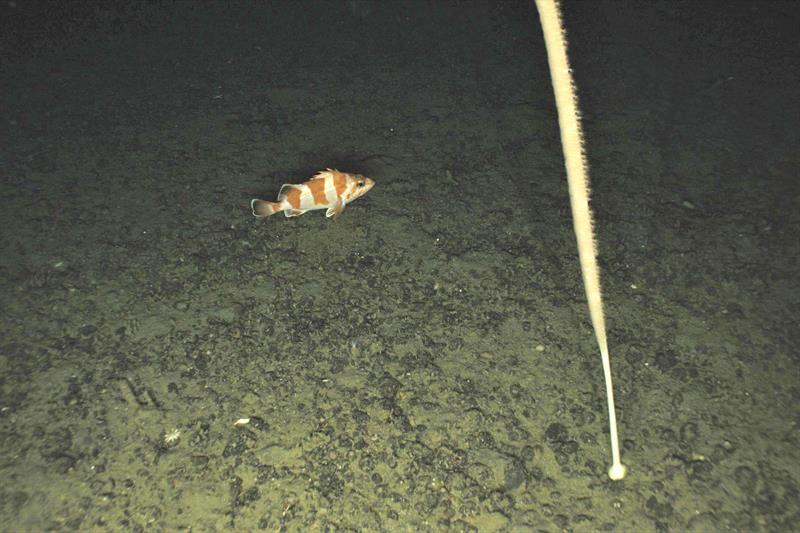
(329, 189)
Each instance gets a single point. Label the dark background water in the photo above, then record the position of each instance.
(425, 362)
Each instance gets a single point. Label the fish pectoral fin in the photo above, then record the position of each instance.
(335, 210)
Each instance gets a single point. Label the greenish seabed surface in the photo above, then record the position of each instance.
(425, 362)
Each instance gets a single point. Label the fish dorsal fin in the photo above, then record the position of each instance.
(322, 174)
(285, 190)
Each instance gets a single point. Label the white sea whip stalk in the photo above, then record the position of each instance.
(577, 176)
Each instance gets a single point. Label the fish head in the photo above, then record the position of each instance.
(358, 186)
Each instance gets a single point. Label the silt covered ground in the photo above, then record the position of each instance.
(424, 362)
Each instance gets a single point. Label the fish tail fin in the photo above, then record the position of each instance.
(262, 208)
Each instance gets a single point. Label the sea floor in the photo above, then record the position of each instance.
(425, 362)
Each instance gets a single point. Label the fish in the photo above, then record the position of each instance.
(328, 189)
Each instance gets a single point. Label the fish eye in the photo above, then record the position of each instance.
(360, 183)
